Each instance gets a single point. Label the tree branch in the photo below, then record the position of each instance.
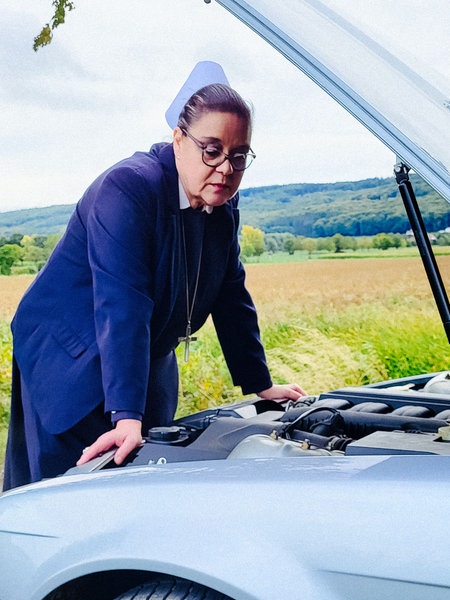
(59, 16)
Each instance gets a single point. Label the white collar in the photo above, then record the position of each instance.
(184, 201)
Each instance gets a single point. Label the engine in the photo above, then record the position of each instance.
(405, 416)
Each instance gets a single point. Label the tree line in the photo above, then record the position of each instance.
(27, 254)
(20, 254)
(254, 242)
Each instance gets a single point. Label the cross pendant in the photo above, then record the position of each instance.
(187, 340)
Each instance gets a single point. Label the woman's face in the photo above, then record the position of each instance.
(204, 185)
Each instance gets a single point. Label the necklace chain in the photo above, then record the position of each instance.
(188, 338)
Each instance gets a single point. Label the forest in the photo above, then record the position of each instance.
(313, 210)
(353, 208)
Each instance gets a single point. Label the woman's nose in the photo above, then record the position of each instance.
(226, 167)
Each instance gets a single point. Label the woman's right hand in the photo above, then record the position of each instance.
(126, 436)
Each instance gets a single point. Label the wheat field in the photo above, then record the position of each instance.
(317, 284)
(287, 288)
(12, 289)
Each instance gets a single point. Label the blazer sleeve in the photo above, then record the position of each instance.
(235, 319)
(118, 229)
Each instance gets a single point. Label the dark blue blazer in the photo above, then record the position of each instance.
(103, 307)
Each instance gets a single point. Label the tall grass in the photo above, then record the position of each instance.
(326, 350)
(325, 326)
(5, 383)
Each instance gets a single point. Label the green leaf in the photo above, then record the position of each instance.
(59, 16)
(44, 38)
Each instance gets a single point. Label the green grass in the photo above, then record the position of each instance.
(301, 256)
(5, 383)
(332, 348)
(354, 346)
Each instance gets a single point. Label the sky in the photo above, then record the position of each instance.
(100, 90)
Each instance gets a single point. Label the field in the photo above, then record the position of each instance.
(324, 323)
(12, 290)
(329, 323)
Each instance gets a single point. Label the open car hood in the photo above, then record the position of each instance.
(343, 47)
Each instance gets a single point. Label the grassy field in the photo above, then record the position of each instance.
(302, 255)
(12, 288)
(324, 323)
(330, 323)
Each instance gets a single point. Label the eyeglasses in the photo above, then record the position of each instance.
(214, 157)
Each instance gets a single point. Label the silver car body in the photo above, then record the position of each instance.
(346, 528)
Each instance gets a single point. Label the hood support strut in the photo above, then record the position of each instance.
(423, 243)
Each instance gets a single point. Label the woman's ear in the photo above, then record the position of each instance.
(177, 137)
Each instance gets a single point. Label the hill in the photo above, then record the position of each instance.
(354, 208)
(41, 221)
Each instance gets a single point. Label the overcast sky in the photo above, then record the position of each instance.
(100, 90)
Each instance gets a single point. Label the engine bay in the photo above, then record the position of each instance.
(401, 416)
(406, 416)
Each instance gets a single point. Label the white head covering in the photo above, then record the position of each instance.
(204, 73)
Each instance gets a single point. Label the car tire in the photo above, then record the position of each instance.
(170, 588)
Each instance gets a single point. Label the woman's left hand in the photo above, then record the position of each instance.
(291, 391)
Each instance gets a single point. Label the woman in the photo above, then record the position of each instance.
(136, 273)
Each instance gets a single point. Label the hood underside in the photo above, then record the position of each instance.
(360, 55)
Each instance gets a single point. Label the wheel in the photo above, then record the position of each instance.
(169, 588)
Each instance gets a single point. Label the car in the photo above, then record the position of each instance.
(343, 495)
